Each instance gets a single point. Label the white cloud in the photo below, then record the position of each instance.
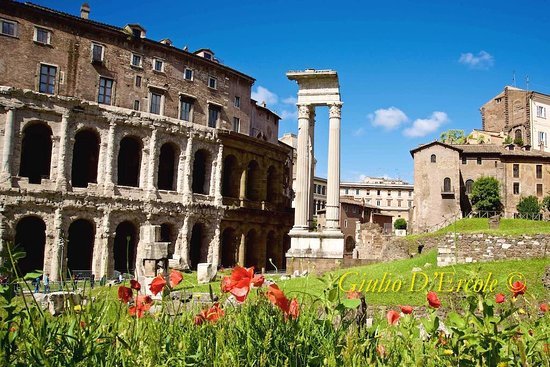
(422, 127)
(483, 60)
(389, 118)
(289, 114)
(290, 100)
(359, 132)
(262, 94)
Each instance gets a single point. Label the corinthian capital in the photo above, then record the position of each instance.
(305, 111)
(335, 110)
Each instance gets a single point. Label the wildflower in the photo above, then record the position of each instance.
(175, 278)
(238, 284)
(157, 285)
(502, 364)
(134, 284)
(124, 294)
(13, 329)
(381, 350)
(277, 297)
(199, 319)
(433, 300)
(143, 304)
(499, 298)
(82, 324)
(406, 310)
(294, 309)
(393, 317)
(521, 311)
(544, 307)
(518, 288)
(212, 314)
(353, 295)
(77, 308)
(448, 352)
(258, 280)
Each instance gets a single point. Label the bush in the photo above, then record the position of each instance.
(400, 223)
(486, 194)
(546, 202)
(528, 205)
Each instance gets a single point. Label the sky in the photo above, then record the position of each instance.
(408, 70)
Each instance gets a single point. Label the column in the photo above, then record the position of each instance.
(242, 250)
(242, 184)
(151, 176)
(8, 146)
(303, 169)
(61, 179)
(187, 177)
(311, 150)
(218, 199)
(215, 247)
(105, 239)
(333, 179)
(181, 171)
(182, 249)
(109, 183)
(58, 248)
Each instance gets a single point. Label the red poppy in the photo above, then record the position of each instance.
(433, 300)
(353, 295)
(393, 317)
(212, 314)
(157, 284)
(226, 284)
(544, 307)
(82, 324)
(277, 297)
(499, 298)
(143, 304)
(406, 310)
(294, 309)
(124, 294)
(199, 319)
(238, 284)
(134, 284)
(258, 280)
(175, 278)
(518, 288)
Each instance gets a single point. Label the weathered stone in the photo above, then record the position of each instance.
(205, 273)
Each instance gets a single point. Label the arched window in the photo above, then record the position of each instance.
(447, 184)
(201, 171)
(469, 185)
(230, 181)
(518, 135)
(36, 152)
(129, 161)
(253, 181)
(85, 158)
(433, 158)
(167, 167)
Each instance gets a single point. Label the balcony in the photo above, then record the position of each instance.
(448, 191)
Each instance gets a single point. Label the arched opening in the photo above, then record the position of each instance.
(274, 252)
(433, 158)
(200, 172)
(168, 234)
(129, 161)
(85, 158)
(125, 246)
(469, 186)
(230, 182)
(36, 152)
(167, 167)
(30, 233)
(229, 248)
(272, 185)
(251, 249)
(447, 184)
(81, 245)
(253, 181)
(198, 250)
(286, 247)
(518, 135)
(349, 246)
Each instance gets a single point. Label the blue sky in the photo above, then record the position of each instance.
(408, 69)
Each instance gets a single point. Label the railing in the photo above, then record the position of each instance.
(481, 214)
(530, 216)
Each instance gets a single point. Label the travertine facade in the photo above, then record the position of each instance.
(119, 152)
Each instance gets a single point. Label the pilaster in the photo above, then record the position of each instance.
(7, 152)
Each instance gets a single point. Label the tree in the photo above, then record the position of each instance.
(546, 202)
(528, 205)
(486, 194)
(400, 223)
(453, 137)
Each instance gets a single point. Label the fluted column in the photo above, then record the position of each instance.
(333, 179)
(61, 179)
(7, 152)
(151, 176)
(311, 151)
(303, 169)
(109, 182)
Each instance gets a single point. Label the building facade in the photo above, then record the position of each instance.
(120, 151)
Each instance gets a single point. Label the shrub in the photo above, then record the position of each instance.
(546, 202)
(400, 223)
(528, 205)
(486, 194)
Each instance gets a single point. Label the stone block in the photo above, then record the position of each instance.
(205, 273)
(506, 246)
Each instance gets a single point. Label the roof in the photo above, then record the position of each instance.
(435, 142)
(112, 28)
(489, 149)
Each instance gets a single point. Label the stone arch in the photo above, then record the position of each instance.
(251, 248)
(30, 234)
(230, 181)
(168, 233)
(129, 161)
(85, 157)
(229, 244)
(272, 185)
(253, 182)
(168, 167)
(36, 152)
(274, 251)
(80, 245)
(125, 247)
(201, 176)
(198, 248)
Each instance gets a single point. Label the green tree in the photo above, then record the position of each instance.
(486, 194)
(400, 223)
(453, 137)
(546, 202)
(528, 205)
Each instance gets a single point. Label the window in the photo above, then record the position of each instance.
(208, 56)
(158, 65)
(399, 203)
(539, 189)
(186, 109)
(516, 188)
(138, 81)
(447, 184)
(346, 191)
(516, 170)
(136, 105)
(410, 193)
(8, 27)
(42, 35)
(541, 111)
(136, 60)
(324, 190)
(542, 138)
(357, 192)
(105, 90)
(464, 160)
(237, 126)
(237, 102)
(377, 202)
(378, 192)
(345, 223)
(399, 193)
(478, 160)
(155, 103)
(539, 170)
(389, 202)
(410, 204)
(212, 82)
(433, 158)
(469, 185)
(188, 74)
(47, 79)
(97, 52)
(213, 115)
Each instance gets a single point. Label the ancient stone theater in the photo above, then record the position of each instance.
(124, 154)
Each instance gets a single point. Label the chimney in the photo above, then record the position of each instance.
(85, 11)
